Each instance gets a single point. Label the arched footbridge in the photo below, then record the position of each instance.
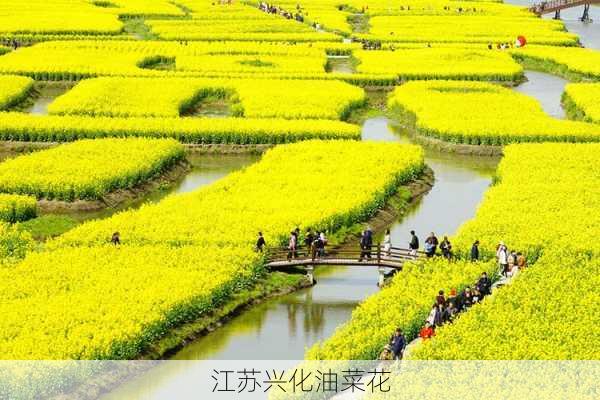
(377, 257)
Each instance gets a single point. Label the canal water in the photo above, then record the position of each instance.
(547, 89)
(204, 170)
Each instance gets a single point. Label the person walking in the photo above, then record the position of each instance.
(387, 243)
(446, 248)
(116, 238)
(308, 240)
(398, 344)
(366, 241)
(502, 257)
(439, 315)
(292, 246)
(414, 244)
(433, 315)
(431, 245)
(314, 247)
(260, 242)
(475, 251)
(321, 242)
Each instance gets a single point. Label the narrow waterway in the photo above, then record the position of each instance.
(46, 93)
(547, 89)
(204, 170)
(282, 328)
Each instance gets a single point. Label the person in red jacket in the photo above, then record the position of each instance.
(427, 332)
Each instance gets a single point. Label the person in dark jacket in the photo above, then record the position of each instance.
(446, 248)
(116, 238)
(366, 242)
(260, 242)
(308, 240)
(484, 284)
(475, 251)
(414, 243)
(398, 344)
(440, 298)
(450, 313)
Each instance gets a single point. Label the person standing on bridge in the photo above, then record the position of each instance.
(387, 243)
(322, 243)
(366, 243)
(260, 242)
(431, 245)
(292, 246)
(309, 238)
(446, 248)
(414, 244)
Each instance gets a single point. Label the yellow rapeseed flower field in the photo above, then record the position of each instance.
(14, 207)
(546, 204)
(576, 63)
(170, 97)
(13, 89)
(441, 63)
(25, 127)
(483, 114)
(88, 169)
(582, 101)
(185, 255)
(463, 28)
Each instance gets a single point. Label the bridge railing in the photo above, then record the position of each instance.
(552, 5)
(375, 253)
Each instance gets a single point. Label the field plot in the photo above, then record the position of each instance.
(88, 169)
(67, 17)
(469, 29)
(172, 243)
(440, 63)
(574, 63)
(13, 89)
(582, 101)
(15, 208)
(502, 116)
(79, 59)
(25, 127)
(171, 97)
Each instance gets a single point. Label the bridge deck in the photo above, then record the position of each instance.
(335, 261)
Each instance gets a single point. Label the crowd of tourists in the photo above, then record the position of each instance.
(13, 43)
(447, 307)
(278, 10)
(314, 242)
